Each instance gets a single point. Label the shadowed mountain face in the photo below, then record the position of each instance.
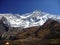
(49, 30)
(2, 28)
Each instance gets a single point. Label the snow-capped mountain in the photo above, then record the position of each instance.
(36, 18)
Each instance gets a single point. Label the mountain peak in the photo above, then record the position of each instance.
(36, 18)
(36, 11)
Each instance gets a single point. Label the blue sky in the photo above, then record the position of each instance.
(26, 6)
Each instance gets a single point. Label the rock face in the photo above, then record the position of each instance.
(2, 28)
(50, 29)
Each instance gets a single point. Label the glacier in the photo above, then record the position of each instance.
(36, 18)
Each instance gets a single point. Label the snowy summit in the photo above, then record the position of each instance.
(36, 18)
